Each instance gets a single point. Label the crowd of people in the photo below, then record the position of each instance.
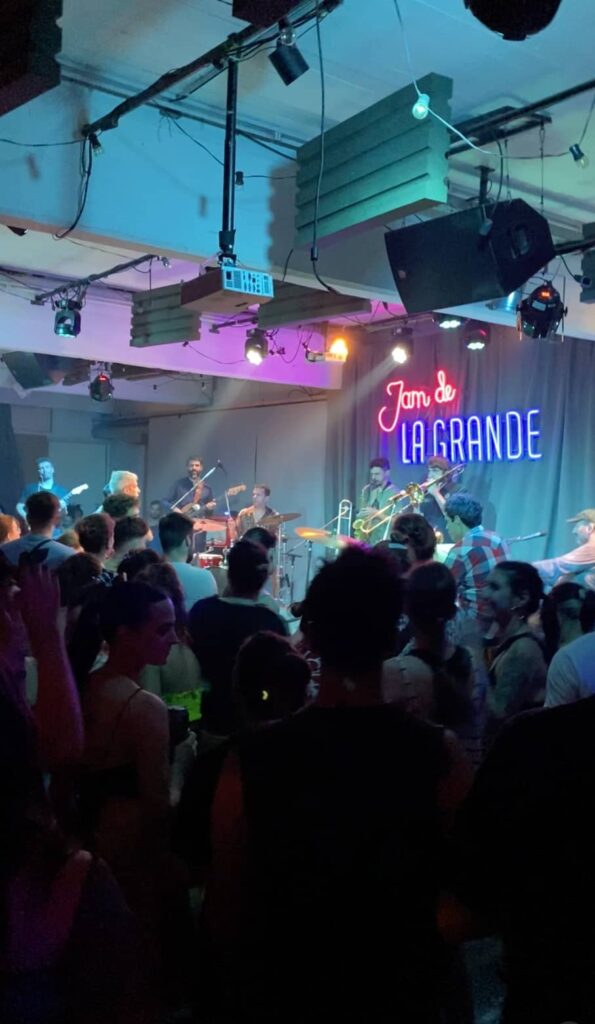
(212, 814)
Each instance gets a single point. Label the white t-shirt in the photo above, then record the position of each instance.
(196, 583)
(571, 675)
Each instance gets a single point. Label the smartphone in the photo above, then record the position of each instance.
(179, 726)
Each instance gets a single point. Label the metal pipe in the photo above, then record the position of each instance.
(215, 59)
(84, 281)
(497, 119)
(227, 233)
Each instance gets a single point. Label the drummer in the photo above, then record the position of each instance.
(259, 509)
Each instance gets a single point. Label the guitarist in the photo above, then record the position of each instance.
(45, 482)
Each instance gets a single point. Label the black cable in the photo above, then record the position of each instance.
(286, 265)
(314, 247)
(86, 167)
(265, 145)
(40, 145)
(576, 277)
(222, 362)
(497, 200)
(172, 120)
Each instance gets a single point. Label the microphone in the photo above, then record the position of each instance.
(527, 536)
(221, 466)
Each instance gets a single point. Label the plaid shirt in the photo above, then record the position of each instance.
(471, 561)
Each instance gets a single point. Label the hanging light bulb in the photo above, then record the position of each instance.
(338, 349)
(578, 156)
(421, 107)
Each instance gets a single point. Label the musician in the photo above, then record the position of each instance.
(259, 509)
(578, 563)
(45, 482)
(181, 491)
(432, 506)
(376, 495)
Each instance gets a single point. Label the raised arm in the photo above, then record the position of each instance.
(57, 711)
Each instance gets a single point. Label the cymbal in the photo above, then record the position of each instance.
(209, 526)
(312, 533)
(337, 541)
(272, 522)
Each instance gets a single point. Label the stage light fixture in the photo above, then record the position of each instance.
(286, 59)
(476, 336)
(447, 321)
(401, 345)
(421, 107)
(578, 156)
(540, 313)
(514, 20)
(257, 346)
(67, 321)
(338, 349)
(101, 388)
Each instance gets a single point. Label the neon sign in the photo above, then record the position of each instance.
(499, 437)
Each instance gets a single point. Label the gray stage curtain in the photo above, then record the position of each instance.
(11, 477)
(518, 497)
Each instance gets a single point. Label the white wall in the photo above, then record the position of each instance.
(283, 446)
(77, 455)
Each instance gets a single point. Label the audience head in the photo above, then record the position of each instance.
(118, 506)
(163, 576)
(588, 613)
(43, 511)
(414, 531)
(155, 511)
(122, 481)
(462, 512)
(560, 615)
(270, 678)
(175, 534)
(96, 534)
(430, 597)
(351, 610)
(258, 535)
(136, 561)
(248, 569)
(138, 621)
(9, 529)
(74, 576)
(130, 534)
(70, 540)
(512, 589)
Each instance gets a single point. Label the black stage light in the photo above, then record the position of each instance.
(101, 388)
(476, 335)
(67, 321)
(514, 19)
(257, 346)
(286, 58)
(448, 321)
(540, 313)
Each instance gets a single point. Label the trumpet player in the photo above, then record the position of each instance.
(375, 496)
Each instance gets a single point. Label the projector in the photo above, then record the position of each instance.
(227, 289)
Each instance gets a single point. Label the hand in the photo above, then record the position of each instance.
(368, 512)
(185, 753)
(38, 601)
(210, 505)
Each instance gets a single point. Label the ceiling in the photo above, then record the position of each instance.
(124, 45)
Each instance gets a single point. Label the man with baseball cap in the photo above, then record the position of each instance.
(578, 563)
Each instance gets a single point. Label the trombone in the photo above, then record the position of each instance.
(344, 517)
(414, 493)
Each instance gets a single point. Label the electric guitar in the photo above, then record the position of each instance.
(74, 492)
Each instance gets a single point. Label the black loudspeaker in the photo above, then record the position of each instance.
(30, 41)
(471, 256)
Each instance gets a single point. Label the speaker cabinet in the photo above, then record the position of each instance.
(470, 256)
